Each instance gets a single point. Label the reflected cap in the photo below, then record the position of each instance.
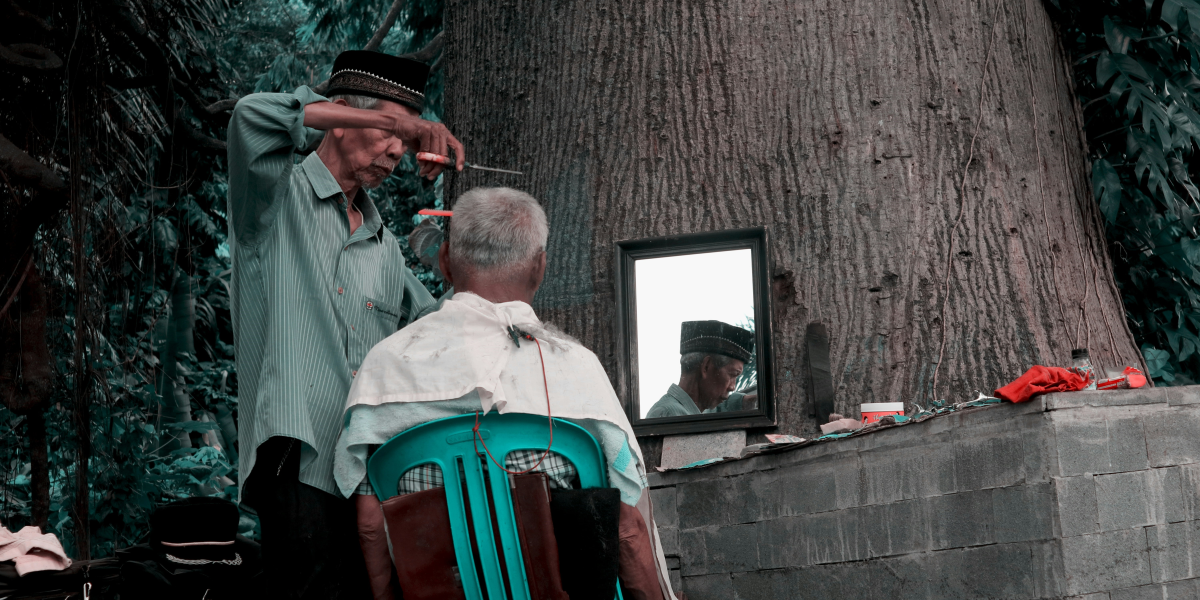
(715, 337)
(379, 75)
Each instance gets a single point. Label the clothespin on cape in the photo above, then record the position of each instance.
(517, 335)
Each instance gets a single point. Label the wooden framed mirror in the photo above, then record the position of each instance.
(693, 332)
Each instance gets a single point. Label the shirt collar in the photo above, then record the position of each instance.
(507, 313)
(683, 398)
(327, 188)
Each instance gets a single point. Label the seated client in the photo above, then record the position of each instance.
(463, 359)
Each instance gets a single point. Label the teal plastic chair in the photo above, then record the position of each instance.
(448, 443)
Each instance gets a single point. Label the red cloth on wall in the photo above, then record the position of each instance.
(1041, 380)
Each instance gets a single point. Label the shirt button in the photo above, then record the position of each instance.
(346, 248)
(370, 305)
(340, 290)
(354, 373)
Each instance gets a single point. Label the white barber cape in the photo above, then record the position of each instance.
(465, 350)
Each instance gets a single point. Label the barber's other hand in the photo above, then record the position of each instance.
(426, 136)
(750, 401)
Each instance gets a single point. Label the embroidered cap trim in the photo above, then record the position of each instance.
(372, 75)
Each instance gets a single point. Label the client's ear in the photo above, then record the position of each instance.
(538, 273)
(444, 263)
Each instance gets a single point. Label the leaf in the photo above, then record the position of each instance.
(1107, 186)
(1157, 361)
(1119, 36)
(1127, 65)
(1106, 68)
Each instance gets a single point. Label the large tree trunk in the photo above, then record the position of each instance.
(846, 128)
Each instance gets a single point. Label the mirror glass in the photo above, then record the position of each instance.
(672, 290)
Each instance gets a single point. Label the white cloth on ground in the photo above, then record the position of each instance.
(31, 550)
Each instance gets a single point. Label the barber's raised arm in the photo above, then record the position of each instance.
(265, 131)
(417, 134)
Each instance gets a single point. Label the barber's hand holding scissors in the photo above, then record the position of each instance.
(426, 136)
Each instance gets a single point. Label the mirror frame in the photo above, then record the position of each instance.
(629, 251)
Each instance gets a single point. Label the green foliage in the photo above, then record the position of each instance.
(1136, 76)
(155, 217)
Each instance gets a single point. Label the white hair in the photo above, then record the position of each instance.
(357, 101)
(690, 363)
(496, 229)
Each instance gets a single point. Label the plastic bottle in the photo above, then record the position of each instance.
(1081, 364)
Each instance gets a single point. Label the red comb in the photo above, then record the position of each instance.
(429, 212)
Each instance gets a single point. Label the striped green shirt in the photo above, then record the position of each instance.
(308, 298)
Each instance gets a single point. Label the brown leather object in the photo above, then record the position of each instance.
(418, 527)
(639, 575)
(531, 504)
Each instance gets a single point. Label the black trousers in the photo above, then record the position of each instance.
(309, 537)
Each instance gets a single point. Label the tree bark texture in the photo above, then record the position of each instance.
(846, 128)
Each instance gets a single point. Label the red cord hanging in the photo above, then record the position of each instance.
(549, 418)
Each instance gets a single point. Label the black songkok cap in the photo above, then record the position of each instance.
(379, 75)
(715, 337)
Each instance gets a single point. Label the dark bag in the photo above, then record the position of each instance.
(535, 528)
(586, 526)
(418, 528)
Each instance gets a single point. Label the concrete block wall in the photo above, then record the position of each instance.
(1090, 495)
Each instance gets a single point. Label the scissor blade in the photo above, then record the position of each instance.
(495, 169)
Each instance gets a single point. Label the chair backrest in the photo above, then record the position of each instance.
(448, 444)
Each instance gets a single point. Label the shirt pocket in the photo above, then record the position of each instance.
(385, 315)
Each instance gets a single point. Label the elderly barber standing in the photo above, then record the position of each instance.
(317, 281)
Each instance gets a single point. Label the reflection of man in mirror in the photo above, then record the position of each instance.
(713, 356)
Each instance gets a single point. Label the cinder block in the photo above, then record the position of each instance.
(708, 587)
(1172, 438)
(1038, 444)
(987, 460)
(663, 502)
(1082, 444)
(1167, 491)
(680, 450)
(831, 537)
(676, 582)
(1183, 395)
(763, 585)
(1023, 513)
(1142, 592)
(693, 556)
(1102, 399)
(905, 528)
(1088, 442)
(799, 491)
(781, 543)
(723, 501)
(1188, 589)
(1123, 500)
(1171, 551)
(962, 519)
(1189, 476)
(821, 581)
(996, 571)
(914, 471)
(1127, 445)
(1096, 596)
(1107, 561)
(669, 536)
(732, 549)
(1077, 513)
